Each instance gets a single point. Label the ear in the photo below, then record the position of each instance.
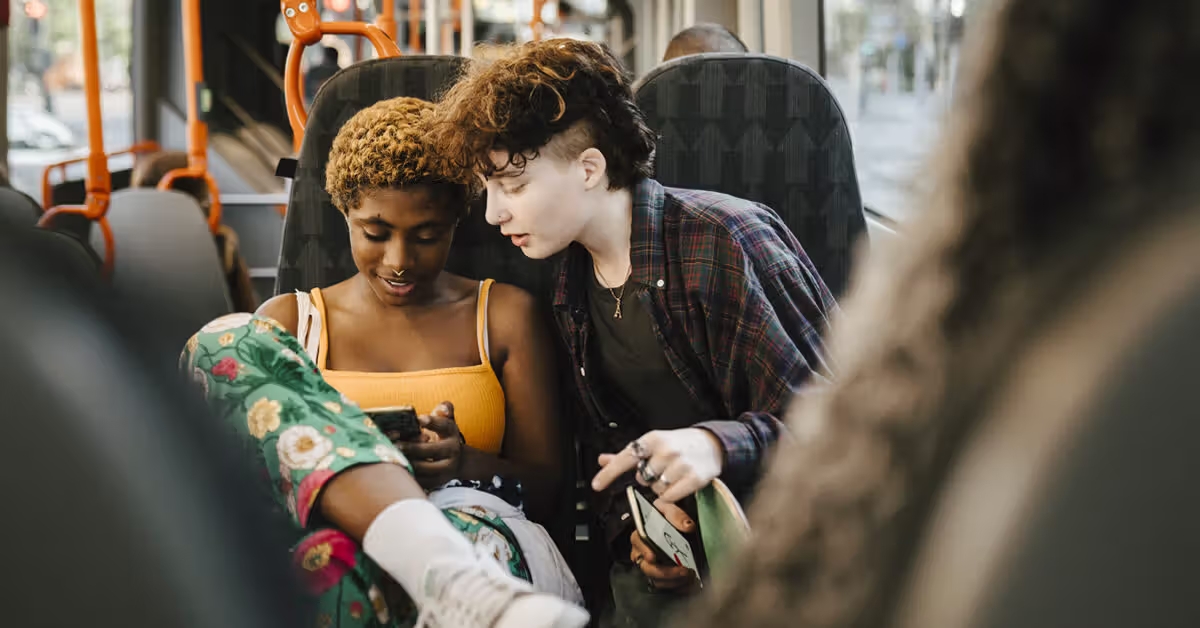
(595, 168)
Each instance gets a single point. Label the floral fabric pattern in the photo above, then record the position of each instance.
(302, 432)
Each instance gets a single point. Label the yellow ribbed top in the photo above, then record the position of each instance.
(475, 391)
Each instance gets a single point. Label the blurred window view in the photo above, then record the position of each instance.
(47, 112)
(891, 64)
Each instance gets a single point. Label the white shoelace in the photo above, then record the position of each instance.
(462, 594)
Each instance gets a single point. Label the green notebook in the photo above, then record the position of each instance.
(723, 525)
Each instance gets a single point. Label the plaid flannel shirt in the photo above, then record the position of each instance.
(738, 309)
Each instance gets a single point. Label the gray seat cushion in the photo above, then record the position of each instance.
(164, 250)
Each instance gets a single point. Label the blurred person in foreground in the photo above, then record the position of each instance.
(1075, 123)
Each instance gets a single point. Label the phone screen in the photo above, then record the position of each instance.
(664, 536)
(397, 423)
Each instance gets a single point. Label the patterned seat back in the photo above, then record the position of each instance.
(764, 129)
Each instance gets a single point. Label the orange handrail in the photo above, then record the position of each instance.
(61, 167)
(197, 129)
(536, 23)
(99, 184)
(307, 29)
(414, 26)
(387, 19)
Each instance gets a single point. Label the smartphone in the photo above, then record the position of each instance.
(658, 533)
(397, 423)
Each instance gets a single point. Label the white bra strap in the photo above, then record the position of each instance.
(308, 326)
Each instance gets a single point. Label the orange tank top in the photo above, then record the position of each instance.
(475, 391)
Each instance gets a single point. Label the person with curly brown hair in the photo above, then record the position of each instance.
(301, 379)
(691, 317)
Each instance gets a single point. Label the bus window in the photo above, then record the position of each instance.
(892, 67)
(47, 110)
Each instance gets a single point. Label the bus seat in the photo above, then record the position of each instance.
(71, 192)
(18, 208)
(1073, 501)
(121, 178)
(765, 129)
(74, 191)
(72, 256)
(165, 249)
(68, 192)
(140, 478)
(315, 251)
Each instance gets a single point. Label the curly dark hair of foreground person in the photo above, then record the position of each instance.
(539, 91)
(384, 146)
(1072, 118)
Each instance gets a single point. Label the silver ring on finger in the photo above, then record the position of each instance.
(647, 474)
(662, 479)
(639, 450)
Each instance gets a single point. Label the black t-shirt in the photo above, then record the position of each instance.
(628, 353)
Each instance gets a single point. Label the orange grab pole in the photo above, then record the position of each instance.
(387, 19)
(307, 29)
(197, 129)
(414, 26)
(99, 185)
(61, 167)
(536, 23)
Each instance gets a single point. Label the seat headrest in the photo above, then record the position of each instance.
(765, 129)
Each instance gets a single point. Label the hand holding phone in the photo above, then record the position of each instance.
(398, 423)
(654, 530)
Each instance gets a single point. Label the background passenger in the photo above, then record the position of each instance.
(703, 38)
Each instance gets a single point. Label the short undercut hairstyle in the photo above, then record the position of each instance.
(573, 92)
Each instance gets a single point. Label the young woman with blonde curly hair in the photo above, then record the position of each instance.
(295, 378)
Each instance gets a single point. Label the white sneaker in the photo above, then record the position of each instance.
(482, 594)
